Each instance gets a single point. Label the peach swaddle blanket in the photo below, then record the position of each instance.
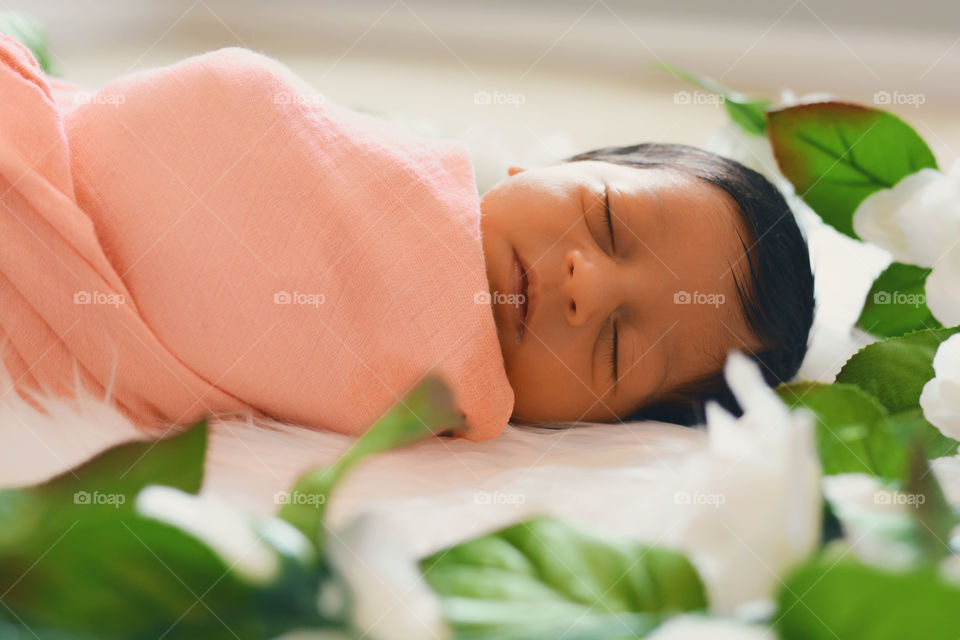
(216, 237)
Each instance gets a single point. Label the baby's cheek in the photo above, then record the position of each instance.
(544, 389)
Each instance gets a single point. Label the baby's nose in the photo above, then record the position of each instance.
(581, 293)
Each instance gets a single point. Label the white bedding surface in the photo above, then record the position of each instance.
(448, 488)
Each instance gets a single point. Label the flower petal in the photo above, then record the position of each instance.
(883, 216)
(931, 219)
(701, 628)
(946, 362)
(933, 401)
(943, 289)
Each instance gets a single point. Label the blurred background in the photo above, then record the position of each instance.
(568, 74)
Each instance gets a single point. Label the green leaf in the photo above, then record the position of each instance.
(29, 33)
(426, 410)
(933, 513)
(80, 559)
(119, 574)
(912, 428)
(14, 630)
(110, 480)
(894, 371)
(544, 578)
(896, 303)
(747, 112)
(176, 461)
(853, 432)
(836, 154)
(831, 597)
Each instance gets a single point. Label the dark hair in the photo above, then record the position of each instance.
(777, 299)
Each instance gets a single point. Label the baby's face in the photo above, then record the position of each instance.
(655, 283)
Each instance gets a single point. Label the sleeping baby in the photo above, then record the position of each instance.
(640, 267)
(215, 238)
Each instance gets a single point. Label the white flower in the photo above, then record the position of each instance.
(918, 222)
(388, 597)
(940, 399)
(876, 519)
(943, 289)
(750, 510)
(700, 628)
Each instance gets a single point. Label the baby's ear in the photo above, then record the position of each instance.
(512, 171)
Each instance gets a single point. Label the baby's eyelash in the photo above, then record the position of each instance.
(612, 353)
(606, 202)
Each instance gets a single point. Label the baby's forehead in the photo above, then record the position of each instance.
(661, 180)
(687, 203)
